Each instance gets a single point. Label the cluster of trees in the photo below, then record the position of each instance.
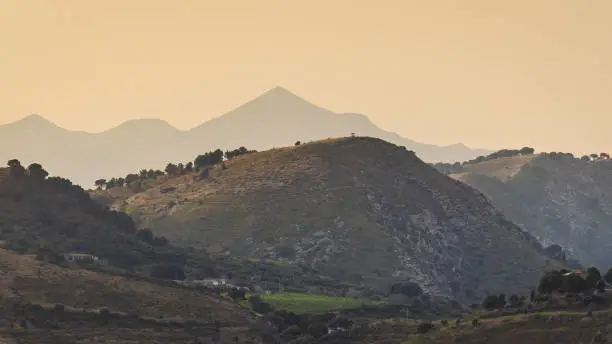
(504, 153)
(174, 169)
(34, 171)
(565, 281)
(458, 167)
(307, 326)
(168, 272)
(128, 179)
(499, 301)
(558, 281)
(595, 157)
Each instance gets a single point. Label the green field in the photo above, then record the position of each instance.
(314, 304)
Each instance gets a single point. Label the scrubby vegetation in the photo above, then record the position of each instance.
(144, 179)
(459, 167)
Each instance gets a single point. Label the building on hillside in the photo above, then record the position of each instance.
(84, 258)
(208, 283)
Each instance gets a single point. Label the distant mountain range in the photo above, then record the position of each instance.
(274, 119)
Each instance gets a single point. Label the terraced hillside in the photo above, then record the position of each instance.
(556, 197)
(104, 306)
(359, 209)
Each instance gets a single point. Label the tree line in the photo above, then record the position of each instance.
(200, 163)
(458, 167)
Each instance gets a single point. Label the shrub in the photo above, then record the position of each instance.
(424, 327)
(291, 332)
(260, 306)
(170, 272)
(593, 276)
(317, 330)
(407, 288)
(492, 302)
(608, 276)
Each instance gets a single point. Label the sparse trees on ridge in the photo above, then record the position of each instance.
(172, 169)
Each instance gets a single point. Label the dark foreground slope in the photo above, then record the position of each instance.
(44, 303)
(359, 209)
(51, 215)
(556, 197)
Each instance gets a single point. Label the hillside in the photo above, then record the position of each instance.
(556, 197)
(139, 311)
(359, 209)
(50, 217)
(276, 118)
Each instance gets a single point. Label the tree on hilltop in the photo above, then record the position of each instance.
(16, 170)
(526, 151)
(100, 183)
(172, 169)
(37, 172)
(130, 178)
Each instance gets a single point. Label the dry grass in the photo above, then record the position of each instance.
(49, 284)
(363, 195)
(502, 168)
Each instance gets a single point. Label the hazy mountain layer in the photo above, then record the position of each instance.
(276, 118)
(556, 197)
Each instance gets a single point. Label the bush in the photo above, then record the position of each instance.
(608, 276)
(407, 288)
(260, 306)
(550, 282)
(317, 330)
(424, 327)
(491, 302)
(170, 272)
(291, 332)
(593, 276)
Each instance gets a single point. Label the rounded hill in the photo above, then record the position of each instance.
(360, 209)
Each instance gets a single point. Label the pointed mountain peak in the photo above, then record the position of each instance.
(275, 102)
(33, 121)
(143, 126)
(280, 91)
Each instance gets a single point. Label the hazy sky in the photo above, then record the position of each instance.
(491, 74)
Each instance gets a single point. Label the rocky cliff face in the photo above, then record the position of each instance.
(358, 209)
(561, 200)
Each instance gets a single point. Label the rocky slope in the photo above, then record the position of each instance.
(360, 209)
(556, 197)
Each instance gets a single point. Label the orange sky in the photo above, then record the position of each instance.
(491, 74)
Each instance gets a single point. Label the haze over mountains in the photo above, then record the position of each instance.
(274, 119)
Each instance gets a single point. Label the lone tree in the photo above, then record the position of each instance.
(37, 172)
(172, 169)
(100, 183)
(608, 276)
(16, 170)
